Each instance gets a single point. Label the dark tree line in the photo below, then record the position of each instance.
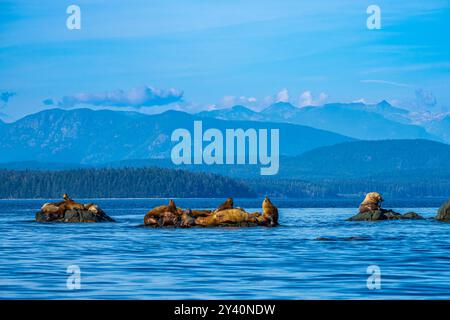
(120, 183)
(160, 182)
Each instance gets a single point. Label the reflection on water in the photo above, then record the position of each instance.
(124, 260)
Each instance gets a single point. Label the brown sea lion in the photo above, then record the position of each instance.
(206, 220)
(372, 202)
(50, 208)
(228, 216)
(94, 208)
(187, 220)
(231, 216)
(151, 221)
(200, 213)
(270, 212)
(255, 217)
(71, 205)
(228, 204)
(156, 212)
(168, 219)
(172, 207)
(66, 197)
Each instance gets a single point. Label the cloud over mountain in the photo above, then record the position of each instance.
(136, 97)
(307, 99)
(283, 96)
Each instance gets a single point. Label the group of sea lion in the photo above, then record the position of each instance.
(71, 211)
(163, 216)
(225, 215)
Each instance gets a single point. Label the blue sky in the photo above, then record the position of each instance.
(213, 54)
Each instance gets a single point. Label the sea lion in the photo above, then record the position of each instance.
(270, 212)
(70, 205)
(372, 202)
(231, 216)
(156, 212)
(172, 207)
(200, 213)
(50, 208)
(255, 217)
(71, 211)
(168, 219)
(206, 221)
(187, 220)
(228, 216)
(228, 204)
(95, 209)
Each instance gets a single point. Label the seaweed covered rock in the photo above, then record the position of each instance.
(443, 213)
(224, 216)
(71, 211)
(370, 210)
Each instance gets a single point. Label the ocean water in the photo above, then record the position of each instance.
(125, 260)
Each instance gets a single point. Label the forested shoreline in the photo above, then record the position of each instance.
(160, 182)
(118, 183)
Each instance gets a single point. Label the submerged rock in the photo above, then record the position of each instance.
(71, 211)
(443, 213)
(354, 238)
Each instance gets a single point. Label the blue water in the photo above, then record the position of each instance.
(124, 260)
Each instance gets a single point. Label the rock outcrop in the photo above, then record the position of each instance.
(224, 216)
(71, 211)
(443, 213)
(370, 210)
(382, 214)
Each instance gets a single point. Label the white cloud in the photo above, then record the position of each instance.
(229, 101)
(136, 97)
(360, 100)
(307, 99)
(283, 96)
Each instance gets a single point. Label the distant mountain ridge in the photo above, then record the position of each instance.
(343, 160)
(346, 160)
(440, 127)
(396, 168)
(366, 158)
(237, 112)
(358, 120)
(92, 137)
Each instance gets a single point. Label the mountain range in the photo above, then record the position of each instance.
(358, 120)
(387, 159)
(85, 136)
(407, 159)
(314, 162)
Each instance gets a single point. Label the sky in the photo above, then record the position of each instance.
(194, 55)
